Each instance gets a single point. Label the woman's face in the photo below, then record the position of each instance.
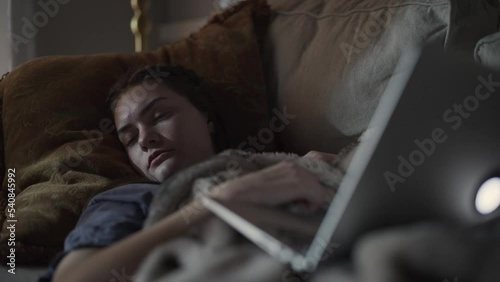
(160, 120)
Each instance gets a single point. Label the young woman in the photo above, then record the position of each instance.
(165, 123)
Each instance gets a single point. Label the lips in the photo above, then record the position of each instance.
(155, 157)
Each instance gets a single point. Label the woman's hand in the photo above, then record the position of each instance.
(330, 158)
(327, 157)
(281, 183)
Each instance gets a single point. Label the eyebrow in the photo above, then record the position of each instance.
(142, 113)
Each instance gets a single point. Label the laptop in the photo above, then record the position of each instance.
(433, 155)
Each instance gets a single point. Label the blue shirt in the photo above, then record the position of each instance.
(110, 216)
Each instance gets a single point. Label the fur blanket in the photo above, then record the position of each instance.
(421, 252)
(213, 251)
(230, 164)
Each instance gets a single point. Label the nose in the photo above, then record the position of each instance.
(148, 138)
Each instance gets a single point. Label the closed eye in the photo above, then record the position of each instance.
(131, 141)
(159, 117)
(162, 116)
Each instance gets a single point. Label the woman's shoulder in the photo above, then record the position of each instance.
(131, 188)
(136, 192)
(121, 207)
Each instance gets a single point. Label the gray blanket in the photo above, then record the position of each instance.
(213, 251)
(214, 239)
(230, 164)
(422, 252)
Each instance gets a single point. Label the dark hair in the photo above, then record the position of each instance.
(182, 81)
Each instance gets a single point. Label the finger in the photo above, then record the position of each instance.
(317, 195)
(290, 189)
(311, 154)
(279, 170)
(327, 157)
(330, 157)
(301, 184)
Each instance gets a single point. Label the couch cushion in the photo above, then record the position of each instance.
(487, 51)
(328, 62)
(64, 148)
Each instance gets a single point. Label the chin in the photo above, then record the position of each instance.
(165, 170)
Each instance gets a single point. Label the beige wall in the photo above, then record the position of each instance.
(73, 27)
(4, 42)
(185, 16)
(86, 27)
(188, 9)
(93, 26)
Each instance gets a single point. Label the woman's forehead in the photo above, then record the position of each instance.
(138, 99)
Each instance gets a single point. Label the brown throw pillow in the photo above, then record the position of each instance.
(63, 146)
